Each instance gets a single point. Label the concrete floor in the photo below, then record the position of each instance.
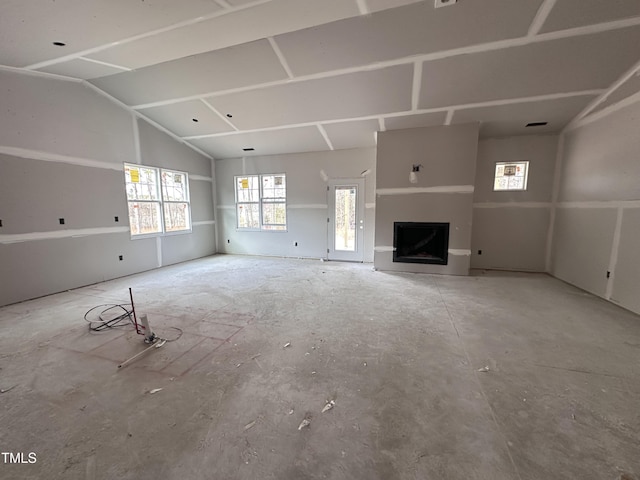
(398, 353)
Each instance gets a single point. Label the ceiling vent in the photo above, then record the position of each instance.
(444, 3)
(248, 149)
(536, 124)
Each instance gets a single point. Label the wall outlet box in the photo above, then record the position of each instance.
(444, 3)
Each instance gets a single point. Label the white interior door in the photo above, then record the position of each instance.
(346, 220)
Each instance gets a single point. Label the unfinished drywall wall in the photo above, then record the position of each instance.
(510, 228)
(62, 148)
(596, 226)
(307, 206)
(443, 192)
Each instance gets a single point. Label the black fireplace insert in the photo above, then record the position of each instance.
(421, 242)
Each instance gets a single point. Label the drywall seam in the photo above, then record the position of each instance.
(223, 117)
(601, 204)
(485, 47)
(281, 57)
(613, 259)
(201, 177)
(36, 73)
(605, 112)
(413, 190)
(417, 84)
(557, 173)
(459, 252)
(83, 162)
(449, 118)
(362, 7)
(106, 64)
(541, 17)
(322, 206)
(106, 46)
(159, 251)
(603, 96)
(513, 205)
(145, 118)
(55, 157)
(465, 106)
(203, 222)
(136, 139)
(324, 134)
(71, 233)
(452, 251)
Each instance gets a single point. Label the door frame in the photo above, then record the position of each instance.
(341, 255)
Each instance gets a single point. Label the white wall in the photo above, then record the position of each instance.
(597, 224)
(510, 228)
(448, 155)
(62, 148)
(307, 207)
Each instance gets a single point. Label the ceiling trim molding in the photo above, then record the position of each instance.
(151, 33)
(480, 48)
(491, 103)
(541, 17)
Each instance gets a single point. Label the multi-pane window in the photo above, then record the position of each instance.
(511, 176)
(158, 200)
(261, 202)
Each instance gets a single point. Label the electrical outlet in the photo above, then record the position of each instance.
(116, 219)
(608, 274)
(0, 223)
(120, 257)
(228, 241)
(479, 252)
(295, 244)
(61, 220)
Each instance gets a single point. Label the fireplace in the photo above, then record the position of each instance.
(419, 242)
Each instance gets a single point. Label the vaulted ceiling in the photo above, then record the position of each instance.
(281, 76)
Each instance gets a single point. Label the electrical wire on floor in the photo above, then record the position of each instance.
(115, 315)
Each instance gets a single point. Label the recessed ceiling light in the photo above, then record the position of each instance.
(59, 44)
(229, 115)
(194, 120)
(250, 149)
(536, 124)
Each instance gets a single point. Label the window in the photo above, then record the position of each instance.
(511, 176)
(261, 202)
(158, 200)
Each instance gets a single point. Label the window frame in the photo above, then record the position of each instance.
(513, 163)
(261, 202)
(161, 201)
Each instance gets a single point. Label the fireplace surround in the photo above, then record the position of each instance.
(421, 242)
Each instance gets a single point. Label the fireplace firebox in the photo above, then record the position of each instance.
(421, 242)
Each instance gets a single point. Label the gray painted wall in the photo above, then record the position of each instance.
(598, 215)
(448, 155)
(306, 201)
(62, 147)
(510, 228)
